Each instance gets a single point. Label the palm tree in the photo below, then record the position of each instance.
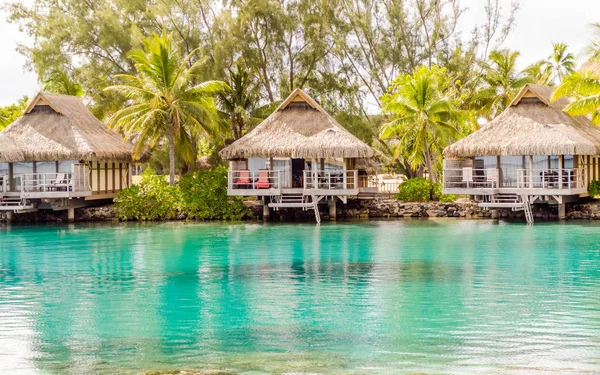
(59, 82)
(165, 100)
(538, 73)
(560, 63)
(424, 118)
(584, 90)
(503, 82)
(240, 103)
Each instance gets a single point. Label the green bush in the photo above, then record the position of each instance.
(594, 188)
(422, 190)
(439, 196)
(415, 190)
(152, 199)
(204, 196)
(201, 195)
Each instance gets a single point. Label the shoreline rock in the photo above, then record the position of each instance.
(355, 209)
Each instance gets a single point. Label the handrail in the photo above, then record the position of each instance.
(76, 181)
(253, 180)
(551, 178)
(330, 179)
(486, 178)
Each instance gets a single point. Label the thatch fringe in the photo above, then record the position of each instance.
(60, 127)
(531, 125)
(298, 131)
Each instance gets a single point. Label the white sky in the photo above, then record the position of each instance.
(539, 23)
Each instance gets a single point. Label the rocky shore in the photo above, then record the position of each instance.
(355, 209)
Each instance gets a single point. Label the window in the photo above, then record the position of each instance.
(66, 166)
(568, 162)
(509, 166)
(484, 162)
(45, 167)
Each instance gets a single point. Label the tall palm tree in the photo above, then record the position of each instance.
(59, 82)
(560, 63)
(165, 100)
(503, 82)
(424, 118)
(240, 104)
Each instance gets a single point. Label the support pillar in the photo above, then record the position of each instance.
(70, 215)
(495, 214)
(562, 211)
(266, 210)
(332, 209)
(9, 216)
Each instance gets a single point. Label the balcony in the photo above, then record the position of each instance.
(471, 181)
(254, 183)
(51, 185)
(271, 183)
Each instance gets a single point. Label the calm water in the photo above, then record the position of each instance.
(432, 297)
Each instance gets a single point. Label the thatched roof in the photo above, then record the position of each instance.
(299, 128)
(531, 125)
(60, 127)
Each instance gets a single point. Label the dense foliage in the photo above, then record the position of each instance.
(357, 58)
(594, 188)
(422, 190)
(11, 112)
(202, 195)
(152, 199)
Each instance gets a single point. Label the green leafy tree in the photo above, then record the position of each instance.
(424, 118)
(165, 101)
(59, 82)
(11, 112)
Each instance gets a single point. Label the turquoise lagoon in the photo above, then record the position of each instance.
(396, 297)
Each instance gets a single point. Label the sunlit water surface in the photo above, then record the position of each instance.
(405, 297)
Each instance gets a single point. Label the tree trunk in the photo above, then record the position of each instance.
(171, 152)
(430, 168)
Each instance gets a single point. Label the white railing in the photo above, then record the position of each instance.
(331, 179)
(385, 187)
(253, 180)
(77, 181)
(551, 178)
(469, 178)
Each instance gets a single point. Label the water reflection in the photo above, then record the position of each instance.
(388, 297)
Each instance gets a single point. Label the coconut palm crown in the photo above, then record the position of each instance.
(165, 100)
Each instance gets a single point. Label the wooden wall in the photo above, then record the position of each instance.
(109, 177)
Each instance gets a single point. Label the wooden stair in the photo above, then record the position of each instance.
(513, 201)
(14, 204)
(297, 200)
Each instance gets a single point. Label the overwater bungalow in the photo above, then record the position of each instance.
(531, 153)
(298, 157)
(58, 156)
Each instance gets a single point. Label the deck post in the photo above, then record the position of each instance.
(560, 171)
(332, 209)
(562, 211)
(266, 210)
(530, 171)
(71, 214)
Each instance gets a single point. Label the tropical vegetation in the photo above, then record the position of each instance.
(181, 78)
